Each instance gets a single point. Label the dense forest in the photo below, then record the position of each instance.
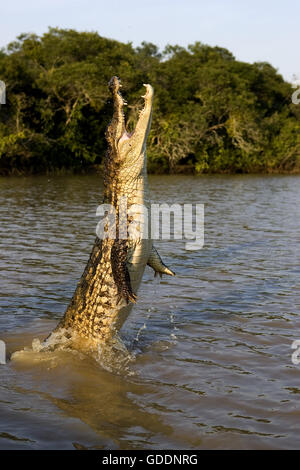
(212, 113)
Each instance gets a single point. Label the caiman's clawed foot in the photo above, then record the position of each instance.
(156, 263)
(120, 271)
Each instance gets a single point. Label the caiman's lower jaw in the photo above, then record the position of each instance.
(149, 91)
(148, 99)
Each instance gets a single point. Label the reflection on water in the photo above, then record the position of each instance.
(210, 349)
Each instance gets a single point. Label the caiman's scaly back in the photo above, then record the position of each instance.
(107, 288)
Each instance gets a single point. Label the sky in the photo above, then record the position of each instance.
(253, 30)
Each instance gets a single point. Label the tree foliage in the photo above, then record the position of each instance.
(212, 113)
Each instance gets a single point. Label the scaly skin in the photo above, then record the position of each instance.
(107, 289)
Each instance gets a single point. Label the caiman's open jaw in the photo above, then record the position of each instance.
(128, 147)
(115, 85)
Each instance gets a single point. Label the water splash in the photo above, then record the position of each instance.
(112, 355)
(173, 334)
(156, 283)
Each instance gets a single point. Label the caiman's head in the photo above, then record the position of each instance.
(126, 152)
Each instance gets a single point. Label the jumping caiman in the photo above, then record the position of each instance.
(107, 289)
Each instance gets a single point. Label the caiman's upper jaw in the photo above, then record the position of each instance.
(114, 85)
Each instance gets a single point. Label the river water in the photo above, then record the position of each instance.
(211, 358)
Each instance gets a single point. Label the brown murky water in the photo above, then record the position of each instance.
(211, 348)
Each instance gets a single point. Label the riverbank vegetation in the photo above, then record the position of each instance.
(212, 113)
